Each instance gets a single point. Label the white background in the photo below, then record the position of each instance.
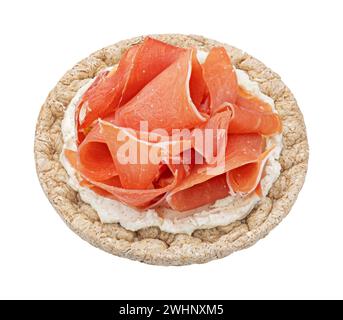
(41, 258)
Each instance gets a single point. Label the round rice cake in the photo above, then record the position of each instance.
(151, 245)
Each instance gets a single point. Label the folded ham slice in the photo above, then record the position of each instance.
(248, 100)
(250, 120)
(200, 194)
(210, 139)
(138, 66)
(244, 153)
(166, 102)
(220, 77)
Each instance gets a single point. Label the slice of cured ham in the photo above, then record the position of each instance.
(246, 178)
(248, 156)
(220, 77)
(248, 100)
(210, 139)
(241, 150)
(250, 120)
(138, 160)
(241, 173)
(210, 191)
(138, 66)
(165, 102)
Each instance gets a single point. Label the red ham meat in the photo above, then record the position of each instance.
(141, 168)
(250, 120)
(220, 77)
(245, 176)
(165, 102)
(242, 150)
(248, 100)
(210, 191)
(169, 89)
(210, 139)
(138, 66)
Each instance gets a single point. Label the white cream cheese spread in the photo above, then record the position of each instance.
(220, 213)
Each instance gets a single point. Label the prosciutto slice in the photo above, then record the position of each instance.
(138, 66)
(251, 120)
(221, 79)
(210, 191)
(248, 100)
(166, 102)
